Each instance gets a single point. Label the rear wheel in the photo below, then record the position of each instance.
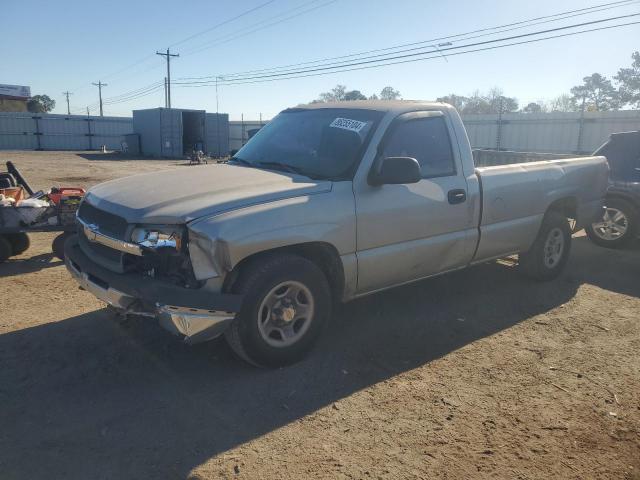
(6, 250)
(286, 303)
(617, 227)
(550, 251)
(20, 242)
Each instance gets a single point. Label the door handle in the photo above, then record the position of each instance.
(457, 195)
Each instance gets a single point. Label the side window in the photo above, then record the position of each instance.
(426, 140)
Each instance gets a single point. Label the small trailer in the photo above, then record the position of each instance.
(23, 211)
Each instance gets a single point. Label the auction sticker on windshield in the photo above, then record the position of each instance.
(347, 124)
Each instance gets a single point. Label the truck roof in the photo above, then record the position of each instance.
(397, 106)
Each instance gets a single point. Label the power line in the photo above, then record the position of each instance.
(245, 33)
(133, 96)
(378, 65)
(147, 57)
(132, 92)
(218, 25)
(567, 14)
(465, 36)
(234, 36)
(243, 77)
(363, 62)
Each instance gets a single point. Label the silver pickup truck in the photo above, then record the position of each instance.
(326, 203)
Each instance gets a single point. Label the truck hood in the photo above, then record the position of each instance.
(188, 193)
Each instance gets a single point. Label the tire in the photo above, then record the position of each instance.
(607, 231)
(6, 250)
(266, 332)
(20, 242)
(57, 246)
(549, 253)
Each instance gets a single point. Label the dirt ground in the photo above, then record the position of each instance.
(476, 374)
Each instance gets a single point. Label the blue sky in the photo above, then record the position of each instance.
(66, 45)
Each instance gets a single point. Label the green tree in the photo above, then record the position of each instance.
(563, 103)
(354, 95)
(597, 93)
(41, 104)
(533, 107)
(499, 102)
(389, 93)
(335, 95)
(457, 101)
(629, 82)
(476, 104)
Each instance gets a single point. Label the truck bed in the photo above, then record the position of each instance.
(491, 158)
(515, 197)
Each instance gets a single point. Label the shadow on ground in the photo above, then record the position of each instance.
(88, 397)
(19, 266)
(111, 156)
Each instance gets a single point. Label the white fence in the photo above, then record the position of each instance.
(566, 133)
(532, 132)
(239, 132)
(548, 132)
(41, 131)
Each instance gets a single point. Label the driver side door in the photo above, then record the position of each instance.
(410, 231)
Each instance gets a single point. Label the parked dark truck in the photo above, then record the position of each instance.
(327, 202)
(620, 221)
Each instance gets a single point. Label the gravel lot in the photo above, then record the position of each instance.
(476, 374)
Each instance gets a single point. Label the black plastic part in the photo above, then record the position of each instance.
(13, 170)
(395, 171)
(20, 242)
(5, 249)
(57, 246)
(149, 290)
(458, 195)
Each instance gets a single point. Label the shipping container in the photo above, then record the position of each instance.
(176, 132)
(43, 131)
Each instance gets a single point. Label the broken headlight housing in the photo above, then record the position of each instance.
(156, 237)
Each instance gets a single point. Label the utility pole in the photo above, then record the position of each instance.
(168, 56)
(217, 118)
(66, 94)
(581, 124)
(100, 85)
(165, 93)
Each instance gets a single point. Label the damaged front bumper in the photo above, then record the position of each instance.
(198, 315)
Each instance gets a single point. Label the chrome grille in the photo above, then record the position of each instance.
(108, 223)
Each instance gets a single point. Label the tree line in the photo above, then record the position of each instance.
(597, 93)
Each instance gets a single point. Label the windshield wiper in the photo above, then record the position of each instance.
(284, 167)
(241, 161)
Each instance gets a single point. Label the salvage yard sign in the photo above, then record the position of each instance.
(15, 91)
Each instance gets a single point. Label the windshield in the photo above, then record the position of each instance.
(324, 143)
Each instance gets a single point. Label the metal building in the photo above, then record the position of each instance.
(175, 132)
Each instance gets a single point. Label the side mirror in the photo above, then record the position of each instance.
(394, 171)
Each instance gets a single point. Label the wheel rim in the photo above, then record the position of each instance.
(553, 248)
(285, 314)
(614, 225)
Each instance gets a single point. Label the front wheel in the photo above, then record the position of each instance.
(617, 226)
(550, 251)
(286, 303)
